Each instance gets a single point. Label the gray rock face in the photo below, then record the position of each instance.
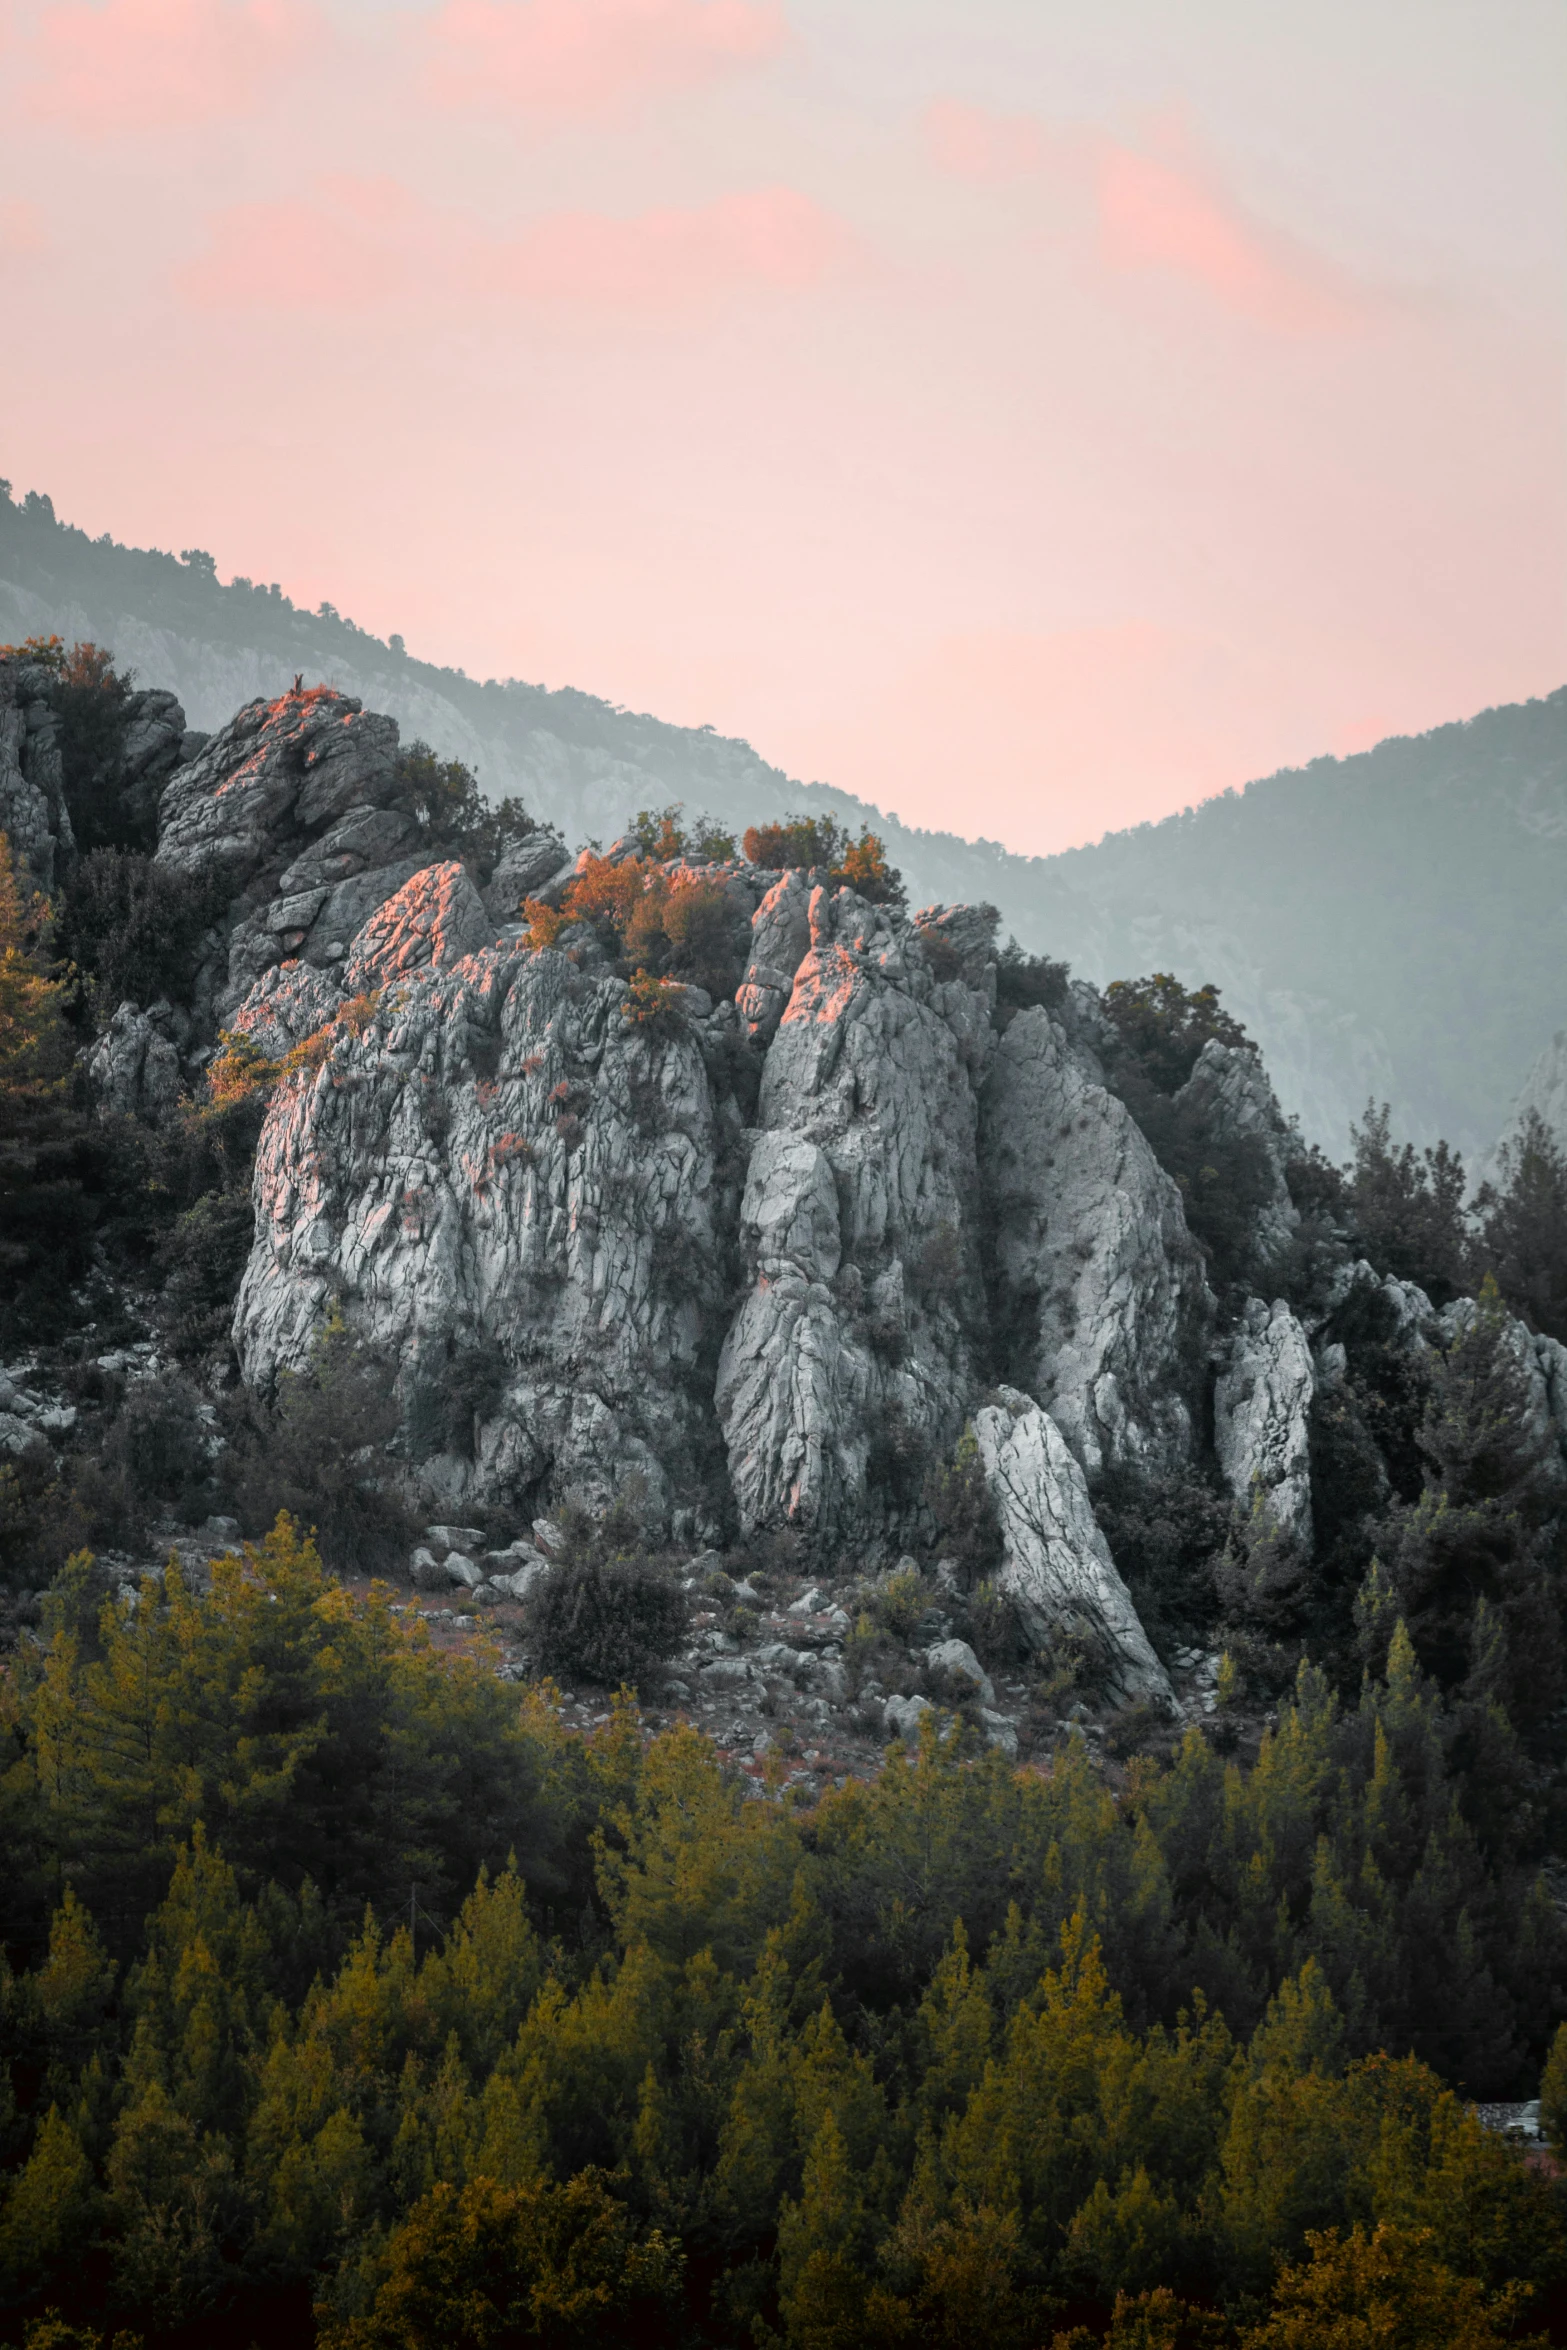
(356, 843)
(780, 942)
(509, 1186)
(1229, 1088)
(1098, 1281)
(1058, 1566)
(1261, 1411)
(33, 814)
(152, 747)
(134, 1069)
(287, 1003)
(848, 1357)
(434, 920)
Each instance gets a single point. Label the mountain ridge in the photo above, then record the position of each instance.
(1385, 925)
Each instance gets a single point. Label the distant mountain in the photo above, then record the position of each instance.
(1392, 924)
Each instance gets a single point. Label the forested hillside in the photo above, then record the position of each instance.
(1387, 926)
(727, 1618)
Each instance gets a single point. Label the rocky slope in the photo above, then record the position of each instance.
(766, 1261)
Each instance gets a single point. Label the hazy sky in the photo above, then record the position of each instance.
(1030, 415)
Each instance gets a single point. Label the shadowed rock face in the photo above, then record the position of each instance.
(33, 814)
(848, 1368)
(1261, 1413)
(1229, 1088)
(1106, 1312)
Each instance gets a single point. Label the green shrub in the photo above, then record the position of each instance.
(1166, 1534)
(318, 1450)
(1026, 980)
(1523, 1227)
(968, 1531)
(444, 800)
(899, 1604)
(1407, 1208)
(818, 843)
(135, 927)
(606, 1620)
(1162, 1026)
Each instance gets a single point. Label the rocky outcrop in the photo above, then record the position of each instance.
(846, 1372)
(134, 1068)
(780, 942)
(1100, 1301)
(33, 814)
(277, 775)
(1229, 1093)
(522, 870)
(1058, 1567)
(289, 806)
(1261, 1414)
(508, 1185)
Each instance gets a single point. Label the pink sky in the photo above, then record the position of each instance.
(1032, 418)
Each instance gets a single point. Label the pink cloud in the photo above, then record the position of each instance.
(157, 64)
(1165, 213)
(581, 56)
(1154, 216)
(358, 243)
(24, 230)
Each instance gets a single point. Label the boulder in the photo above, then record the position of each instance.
(461, 1570)
(1100, 1293)
(445, 1538)
(956, 1656)
(1057, 1564)
(1261, 1415)
(523, 868)
(901, 1716)
(425, 1571)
